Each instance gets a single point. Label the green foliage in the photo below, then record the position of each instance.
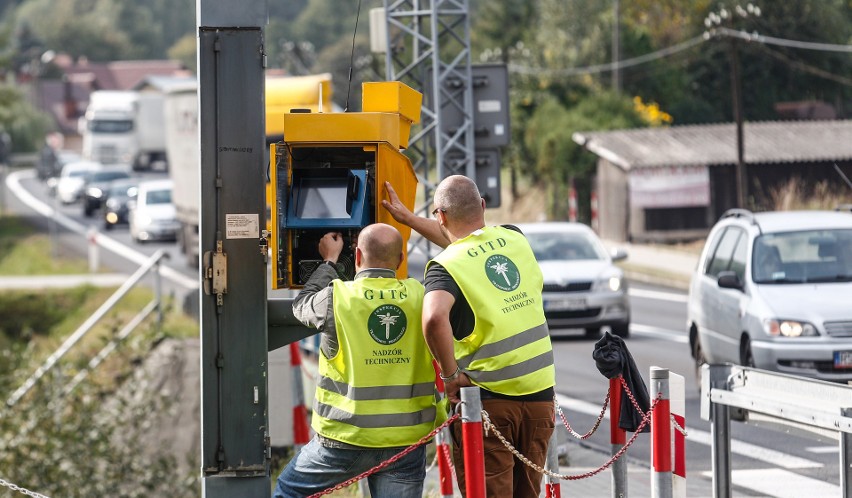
(82, 444)
(24, 123)
(26, 312)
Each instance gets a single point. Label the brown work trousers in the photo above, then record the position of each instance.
(528, 426)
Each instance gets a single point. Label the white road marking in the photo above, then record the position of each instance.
(780, 483)
(660, 333)
(659, 295)
(13, 182)
(775, 458)
(823, 449)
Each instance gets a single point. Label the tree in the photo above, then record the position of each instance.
(24, 123)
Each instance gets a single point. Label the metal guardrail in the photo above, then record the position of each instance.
(782, 400)
(152, 263)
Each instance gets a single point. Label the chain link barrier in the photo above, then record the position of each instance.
(19, 489)
(594, 427)
(488, 426)
(679, 427)
(425, 439)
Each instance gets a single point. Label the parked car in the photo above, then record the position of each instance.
(773, 290)
(152, 215)
(114, 208)
(96, 184)
(583, 288)
(72, 178)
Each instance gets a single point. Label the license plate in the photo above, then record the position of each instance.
(565, 304)
(843, 359)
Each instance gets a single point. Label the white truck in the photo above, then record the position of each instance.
(181, 129)
(124, 127)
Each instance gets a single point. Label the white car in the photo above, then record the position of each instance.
(152, 214)
(582, 286)
(773, 290)
(72, 178)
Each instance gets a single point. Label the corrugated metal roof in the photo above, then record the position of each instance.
(715, 144)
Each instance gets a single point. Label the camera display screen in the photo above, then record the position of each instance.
(322, 198)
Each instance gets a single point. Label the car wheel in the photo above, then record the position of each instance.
(746, 357)
(621, 329)
(593, 332)
(87, 211)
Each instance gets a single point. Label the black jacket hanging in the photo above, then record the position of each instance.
(613, 359)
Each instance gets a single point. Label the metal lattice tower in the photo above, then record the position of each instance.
(429, 49)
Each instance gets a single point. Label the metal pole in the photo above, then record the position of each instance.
(158, 295)
(720, 432)
(617, 437)
(846, 458)
(661, 435)
(552, 488)
(474, 453)
(51, 226)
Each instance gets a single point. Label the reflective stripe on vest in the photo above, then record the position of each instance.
(509, 349)
(382, 376)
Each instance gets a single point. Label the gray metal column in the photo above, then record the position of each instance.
(720, 434)
(846, 458)
(234, 430)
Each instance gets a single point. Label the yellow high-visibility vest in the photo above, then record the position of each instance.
(378, 391)
(509, 349)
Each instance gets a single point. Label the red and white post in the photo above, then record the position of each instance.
(301, 433)
(661, 435)
(442, 447)
(552, 487)
(472, 445)
(677, 393)
(617, 438)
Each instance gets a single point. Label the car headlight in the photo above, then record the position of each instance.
(94, 192)
(144, 220)
(112, 203)
(611, 284)
(789, 328)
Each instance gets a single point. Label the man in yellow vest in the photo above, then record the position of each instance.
(376, 387)
(484, 322)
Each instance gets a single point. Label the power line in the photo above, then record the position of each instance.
(771, 40)
(685, 45)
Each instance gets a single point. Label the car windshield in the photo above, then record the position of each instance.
(104, 176)
(159, 197)
(78, 173)
(122, 190)
(805, 256)
(563, 246)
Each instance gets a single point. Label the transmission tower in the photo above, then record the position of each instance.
(428, 48)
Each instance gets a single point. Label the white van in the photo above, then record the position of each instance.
(152, 215)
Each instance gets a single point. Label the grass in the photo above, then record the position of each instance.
(43, 319)
(23, 252)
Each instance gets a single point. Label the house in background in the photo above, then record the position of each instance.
(672, 184)
(66, 98)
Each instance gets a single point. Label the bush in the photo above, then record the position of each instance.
(28, 313)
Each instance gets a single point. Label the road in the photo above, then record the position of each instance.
(766, 462)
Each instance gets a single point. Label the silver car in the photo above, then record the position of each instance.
(582, 287)
(773, 290)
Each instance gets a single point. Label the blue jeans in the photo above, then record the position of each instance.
(316, 468)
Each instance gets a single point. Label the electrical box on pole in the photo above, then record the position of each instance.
(328, 175)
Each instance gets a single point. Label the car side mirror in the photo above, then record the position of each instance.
(730, 280)
(618, 254)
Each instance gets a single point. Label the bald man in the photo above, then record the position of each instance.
(484, 322)
(376, 387)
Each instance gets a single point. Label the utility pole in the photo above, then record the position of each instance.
(616, 47)
(234, 408)
(736, 97)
